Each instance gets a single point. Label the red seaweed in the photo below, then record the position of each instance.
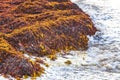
(39, 28)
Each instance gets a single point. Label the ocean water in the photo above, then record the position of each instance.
(102, 60)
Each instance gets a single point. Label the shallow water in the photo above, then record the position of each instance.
(104, 47)
(102, 60)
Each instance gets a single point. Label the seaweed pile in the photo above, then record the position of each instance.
(15, 64)
(39, 28)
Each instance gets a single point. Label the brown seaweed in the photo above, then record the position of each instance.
(15, 64)
(39, 28)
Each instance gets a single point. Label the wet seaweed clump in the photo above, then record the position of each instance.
(39, 28)
(68, 62)
(15, 64)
